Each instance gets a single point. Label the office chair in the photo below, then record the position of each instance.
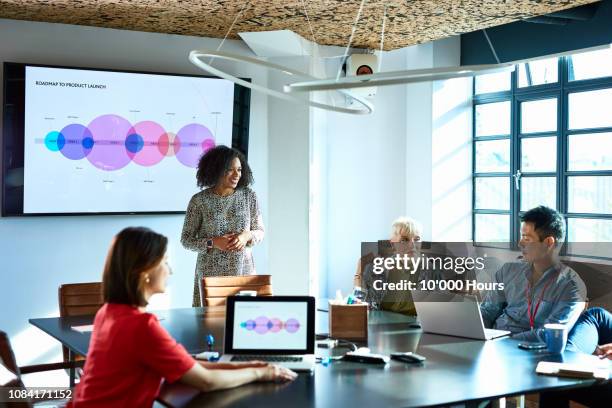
(79, 299)
(7, 359)
(215, 289)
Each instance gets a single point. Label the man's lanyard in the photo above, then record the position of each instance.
(533, 314)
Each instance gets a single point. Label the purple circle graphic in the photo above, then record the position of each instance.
(76, 146)
(261, 325)
(292, 325)
(250, 324)
(191, 139)
(109, 135)
(151, 133)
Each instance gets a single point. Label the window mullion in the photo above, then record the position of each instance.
(562, 143)
(514, 158)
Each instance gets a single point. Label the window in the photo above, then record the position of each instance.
(543, 136)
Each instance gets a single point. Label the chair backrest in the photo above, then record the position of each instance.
(10, 375)
(7, 358)
(79, 299)
(215, 289)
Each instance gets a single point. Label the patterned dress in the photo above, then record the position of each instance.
(210, 215)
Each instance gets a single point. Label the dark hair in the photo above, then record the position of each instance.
(365, 66)
(215, 162)
(546, 222)
(134, 250)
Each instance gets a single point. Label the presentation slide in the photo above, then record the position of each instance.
(99, 141)
(270, 325)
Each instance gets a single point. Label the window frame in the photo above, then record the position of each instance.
(516, 96)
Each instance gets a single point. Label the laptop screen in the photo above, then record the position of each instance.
(280, 324)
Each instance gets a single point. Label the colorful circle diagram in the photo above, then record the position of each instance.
(194, 140)
(263, 325)
(111, 142)
(143, 143)
(110, 133)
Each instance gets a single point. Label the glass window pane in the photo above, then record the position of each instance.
(537, 191)
(539, 154)
(538, 72)
(589, 230)
(493, 119)
(493, 193)
(497, 82)
(539, 116)
(492, 228)
(590, 194)
(493, 156)
(589, 65)
(590, 151)
(590, 109)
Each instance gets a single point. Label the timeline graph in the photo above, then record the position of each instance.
(110, 142)
(263, 325)
(118, 142)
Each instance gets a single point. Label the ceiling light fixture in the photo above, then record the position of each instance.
(396, 78)
(309, 83)
(195, 57)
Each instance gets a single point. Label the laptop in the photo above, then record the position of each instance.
(459, 316)
(276, 329)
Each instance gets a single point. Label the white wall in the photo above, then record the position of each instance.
(419, 101)
(366, 177)
(411, 157)
(451, 146)
(38, 254)
(288, 161)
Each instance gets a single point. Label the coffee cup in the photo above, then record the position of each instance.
(555, 336)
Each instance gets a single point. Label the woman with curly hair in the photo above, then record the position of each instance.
(223, 221)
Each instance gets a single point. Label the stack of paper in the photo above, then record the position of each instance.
(86, 328)
(573, 370)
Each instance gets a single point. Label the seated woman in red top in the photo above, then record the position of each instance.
(130, 352)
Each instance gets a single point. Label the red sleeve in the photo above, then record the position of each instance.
(161, 353)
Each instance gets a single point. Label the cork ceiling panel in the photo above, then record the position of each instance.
(330, 22)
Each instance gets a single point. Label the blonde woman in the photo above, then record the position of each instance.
(405, 240)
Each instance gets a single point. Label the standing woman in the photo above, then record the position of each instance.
(223, 221)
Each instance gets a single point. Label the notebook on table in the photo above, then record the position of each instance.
(573, 370)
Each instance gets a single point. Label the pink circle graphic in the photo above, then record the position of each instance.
(191, 139)
(277, 325)
(168, 144)
(207, 144)
(151, 133)
(109, 133)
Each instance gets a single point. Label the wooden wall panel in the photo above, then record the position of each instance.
(409, 21)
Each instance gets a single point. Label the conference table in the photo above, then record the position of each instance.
(457, 370)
